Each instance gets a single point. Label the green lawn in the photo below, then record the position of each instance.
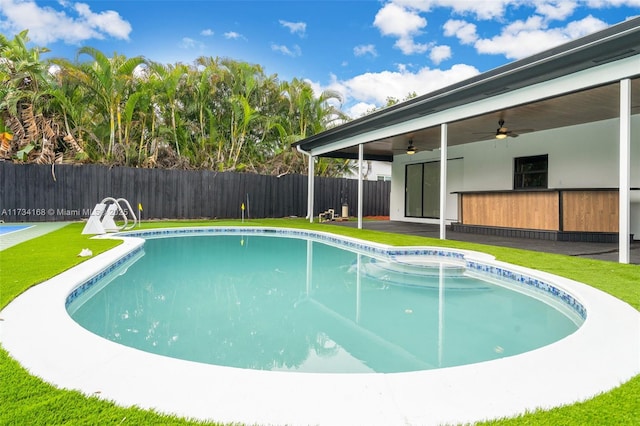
(26, 399)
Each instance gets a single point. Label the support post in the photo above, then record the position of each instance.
(310, 188)
(625, 167)
(360, 189)
(443, 181)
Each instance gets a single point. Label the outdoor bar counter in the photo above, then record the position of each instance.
(556, 214)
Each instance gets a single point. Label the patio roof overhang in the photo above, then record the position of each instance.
(571, 84)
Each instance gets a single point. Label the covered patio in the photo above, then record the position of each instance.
(571, 175)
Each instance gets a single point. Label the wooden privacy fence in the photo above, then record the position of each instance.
(30, 193)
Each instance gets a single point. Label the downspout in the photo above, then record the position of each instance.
(309, 184)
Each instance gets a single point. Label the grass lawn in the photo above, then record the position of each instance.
(26, 399)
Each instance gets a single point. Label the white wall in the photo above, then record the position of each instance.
(583, 156)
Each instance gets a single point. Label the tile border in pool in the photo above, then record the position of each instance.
(601, 354)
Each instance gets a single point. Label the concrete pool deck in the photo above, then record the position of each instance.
(37, 331)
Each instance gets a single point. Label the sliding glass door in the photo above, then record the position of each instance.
(422, 190)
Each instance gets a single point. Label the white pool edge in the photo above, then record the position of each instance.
(605, 352)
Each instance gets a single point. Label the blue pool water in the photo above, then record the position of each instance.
(276, 303)
(7, 229)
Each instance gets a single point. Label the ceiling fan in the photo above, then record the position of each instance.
(503, 132)
(409, 150)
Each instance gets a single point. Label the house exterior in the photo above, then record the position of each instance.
(545, 147)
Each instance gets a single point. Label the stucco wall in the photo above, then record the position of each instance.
(583, 156)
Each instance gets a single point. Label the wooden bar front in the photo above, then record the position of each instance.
(549, 210)
(590, 211)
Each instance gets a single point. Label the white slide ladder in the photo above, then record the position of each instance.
(102, 219)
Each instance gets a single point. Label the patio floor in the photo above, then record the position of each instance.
(601, 251)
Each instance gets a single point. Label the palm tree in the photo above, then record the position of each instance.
(108, 80)
(203, 85)
(305, 115)
(23, 75)
(171, 78)
(243, 121)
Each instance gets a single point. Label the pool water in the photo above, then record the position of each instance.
(289, 304)
(7, 229)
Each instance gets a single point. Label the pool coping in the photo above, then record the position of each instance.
(600, 355)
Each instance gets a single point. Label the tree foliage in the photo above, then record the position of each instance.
(217, 114)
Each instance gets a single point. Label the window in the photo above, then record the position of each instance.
(530, 172)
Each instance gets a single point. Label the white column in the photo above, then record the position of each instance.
(310, 188)
(360, 190)
(625, 167)
(443, 180)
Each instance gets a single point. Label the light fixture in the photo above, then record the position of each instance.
(502, 131)
(411, 149)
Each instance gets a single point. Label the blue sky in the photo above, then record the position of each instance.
(367, 50)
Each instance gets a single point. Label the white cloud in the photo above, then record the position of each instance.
(585, 26)
(408, 46)
(370, 90)
(295, 27)
(524, 38)
(108, 22)
(463, 30)
(394, 20)
(295, 51)
(232, 35)
(189, 43)
(612, 3)
(555, 9)
(365, 49)
(402, 67)
(75, 23)
(207, 32)
(440, 53)
(496, 9)
(405, 24)
(481, 9)
(360, 109)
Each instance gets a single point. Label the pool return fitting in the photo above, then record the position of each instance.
(102, 217)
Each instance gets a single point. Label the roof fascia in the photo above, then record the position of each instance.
(592, 77)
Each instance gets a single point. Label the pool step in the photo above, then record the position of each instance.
(425, 274)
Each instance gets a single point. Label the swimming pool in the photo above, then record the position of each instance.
(274, 302)
(8, 229)
(39, 333)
